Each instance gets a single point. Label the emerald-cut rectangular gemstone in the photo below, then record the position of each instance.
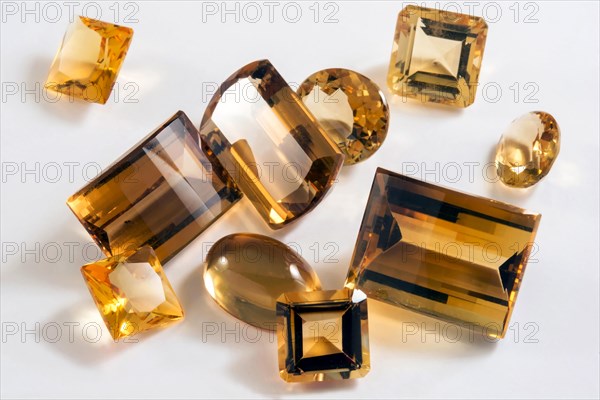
(441, 252)
(162, 193)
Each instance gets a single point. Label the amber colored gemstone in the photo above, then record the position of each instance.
(246, 273)
(270, 143)
(350, 107)
(89, 59)
(527, 149)
(437, 56)
(323, 335)
(132, 292)
(441, 252)
(162, 193)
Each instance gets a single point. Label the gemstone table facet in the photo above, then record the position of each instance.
(436, 56)
(350, 107)
(132, 292)
(89, 59)
(272, 146)
(323, 335)
(246, 273)
(527, 149)
(162, 193)
(440, 252)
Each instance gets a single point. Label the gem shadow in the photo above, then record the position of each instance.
(265, 381)
(389, 327)
(61, 273)
(88, 346)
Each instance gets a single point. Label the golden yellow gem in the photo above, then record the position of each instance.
(132, 292)
(437, 56)
(246, 273)
(350, 107)
(441, 252)
(275, 150)
(527, 149)
(323, 335)
(89, 59)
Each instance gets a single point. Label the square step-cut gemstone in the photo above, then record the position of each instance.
(323, 335)
(162, 193)
(89, 59)
(441, 252)
(275, 150)
(437, 56)
(132, 292)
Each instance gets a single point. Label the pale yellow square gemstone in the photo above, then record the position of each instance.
(89, 59)
(437, 56)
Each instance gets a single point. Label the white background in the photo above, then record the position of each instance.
(551, 349)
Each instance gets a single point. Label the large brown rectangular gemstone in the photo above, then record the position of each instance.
(441, 252)
(163, 193)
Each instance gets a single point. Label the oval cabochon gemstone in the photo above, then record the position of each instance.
(245, 273)
(527, 149)
(350, 107)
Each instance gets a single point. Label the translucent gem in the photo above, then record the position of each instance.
(441, 252)
(437, 56)
(132, 292)
(89, 59)
(527, 149)
(323, 335)
(163, 193)
(350, 107)
(246, 273)
(277, 153)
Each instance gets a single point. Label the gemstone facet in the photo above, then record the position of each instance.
(323, 335)
(162, 193)
(441, 252)
(275, 150)
(132, 292)
(527, 149)
(350, 107)
(246, 273)
(89, 59)
(437, 56)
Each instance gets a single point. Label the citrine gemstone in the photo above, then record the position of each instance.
(245, 273)
(436, 56)
(527, 149)
(89, 59)
(350, 107)
(323, 335)
(441, 252)
(270, 143)
(162, 193)
(132, 292)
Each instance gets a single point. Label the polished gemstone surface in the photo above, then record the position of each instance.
(323, 335)
(441, 252)
(264, 135)
(436, 56)
(163, 193)
(246, 273)
(89, 59)
(132, 292)
(527, 149)
(350, 107)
